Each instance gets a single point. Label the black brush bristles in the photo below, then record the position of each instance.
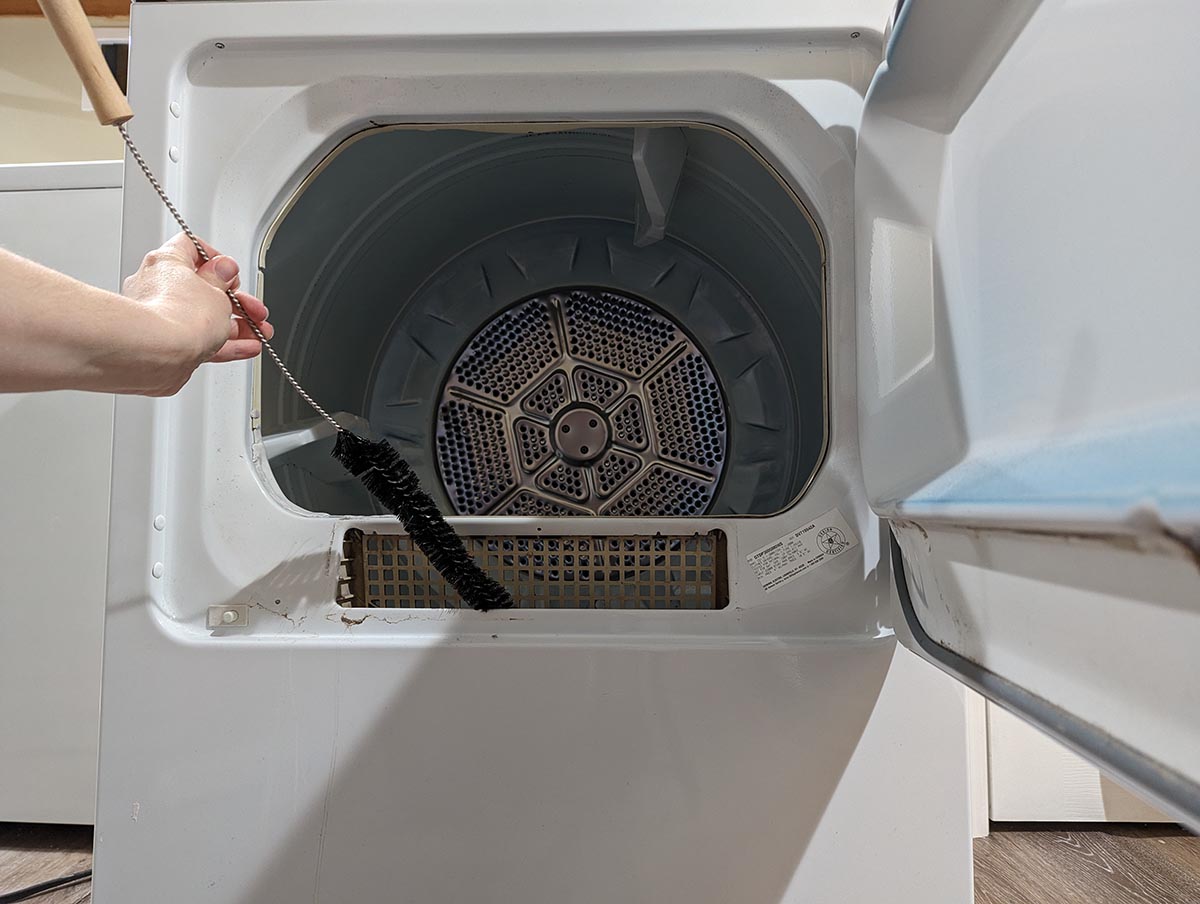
(391, 480)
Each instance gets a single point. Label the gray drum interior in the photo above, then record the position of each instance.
(407, 243)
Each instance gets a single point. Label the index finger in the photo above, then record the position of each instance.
(252, 306)
(179, 245)
(208, 249)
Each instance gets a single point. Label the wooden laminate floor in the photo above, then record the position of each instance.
(33, 853)
(1087, 864)
(1016, 864)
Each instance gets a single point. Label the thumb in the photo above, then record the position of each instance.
(221, 272)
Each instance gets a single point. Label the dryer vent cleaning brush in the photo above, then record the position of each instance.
(380, 468)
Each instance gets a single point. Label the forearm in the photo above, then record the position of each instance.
(59, 333)
(180, 309)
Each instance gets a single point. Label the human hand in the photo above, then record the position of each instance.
(194, 320)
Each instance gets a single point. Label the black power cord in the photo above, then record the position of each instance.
(32, 891)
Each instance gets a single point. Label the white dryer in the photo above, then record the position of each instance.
(685, 310)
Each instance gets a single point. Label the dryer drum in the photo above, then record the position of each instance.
(540, 334)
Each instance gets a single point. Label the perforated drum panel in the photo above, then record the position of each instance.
(509, 351)
(581, 402)
(475, 454)
(386, 571)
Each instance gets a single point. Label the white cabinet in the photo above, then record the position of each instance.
(1033, 778)
(55, 462)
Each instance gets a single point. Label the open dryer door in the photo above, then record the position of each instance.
(1029, 371)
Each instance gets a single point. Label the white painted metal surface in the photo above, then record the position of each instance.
(1032, 778)
(977, 762)
(55, 459)
(751, 753)
(1029, 385)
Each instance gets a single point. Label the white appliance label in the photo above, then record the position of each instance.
(802, 550)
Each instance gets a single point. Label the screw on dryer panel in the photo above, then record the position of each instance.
(234, 616)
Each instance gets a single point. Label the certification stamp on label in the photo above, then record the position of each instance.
(802, 550)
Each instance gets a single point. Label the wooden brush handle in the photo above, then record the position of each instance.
(75, 34)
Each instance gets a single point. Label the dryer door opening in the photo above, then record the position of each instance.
(552, 321)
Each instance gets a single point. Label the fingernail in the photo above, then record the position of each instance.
(226, 268)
